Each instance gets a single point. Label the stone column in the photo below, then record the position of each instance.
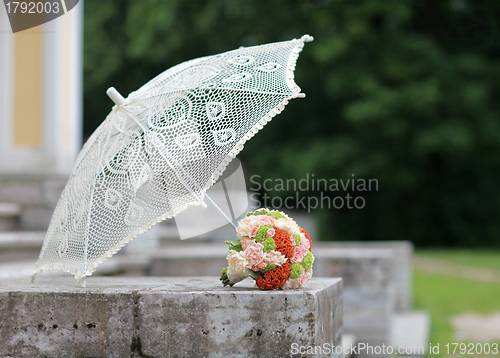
(40, 112)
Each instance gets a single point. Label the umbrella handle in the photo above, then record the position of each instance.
(115, 96)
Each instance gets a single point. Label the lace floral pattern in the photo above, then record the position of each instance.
(158, 152)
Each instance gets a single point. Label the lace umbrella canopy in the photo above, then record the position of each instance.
(160, 149)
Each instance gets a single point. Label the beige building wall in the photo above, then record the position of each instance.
(41, 95)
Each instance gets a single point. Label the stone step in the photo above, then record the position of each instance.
(36, 193)
(22, 270)
(20, 245)
(411, 330)
(119, 265)
(348, 341)
(9, 216)
(165, 317)
(369, 289)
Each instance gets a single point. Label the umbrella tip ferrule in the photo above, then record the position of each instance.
(307, 38)
(115, 96)
(301, 95)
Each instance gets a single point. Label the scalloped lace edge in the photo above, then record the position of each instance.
(294, 88)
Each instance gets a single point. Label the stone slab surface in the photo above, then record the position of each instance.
(21, 239)
(164, 317)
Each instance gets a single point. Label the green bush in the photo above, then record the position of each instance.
(405, 92)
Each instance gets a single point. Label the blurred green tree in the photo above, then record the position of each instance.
(406, 92)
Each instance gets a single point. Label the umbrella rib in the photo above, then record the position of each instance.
(163, 152)
(184, 172)
(219, 88)
(220, 210)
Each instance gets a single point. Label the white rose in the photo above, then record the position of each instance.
(272, 257)
(291, 284)
(246, 225)
(299, 281)
(289, 226)
(237, 270)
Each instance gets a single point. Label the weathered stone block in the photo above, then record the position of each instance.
(369, 288)
(165, 317)
(59, 321)
(402, 252)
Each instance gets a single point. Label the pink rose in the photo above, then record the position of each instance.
(254, 254)
(303, 279)
(298, 254)
(292, 240)
(266, 220)
(304, 243)
(244, 227)
(254, 230)
(271, 232)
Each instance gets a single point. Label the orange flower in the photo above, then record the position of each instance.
(283, 244)
(274, 278)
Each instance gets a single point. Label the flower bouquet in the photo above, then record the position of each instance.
(272, 249)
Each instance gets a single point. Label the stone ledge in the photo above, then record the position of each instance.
(165, 317)
(21, 239)
(9, 215)
(20, 245)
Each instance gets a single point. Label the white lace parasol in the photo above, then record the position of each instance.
(160, 149)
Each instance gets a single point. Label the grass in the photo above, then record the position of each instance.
(443, 296)
(477, 258)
